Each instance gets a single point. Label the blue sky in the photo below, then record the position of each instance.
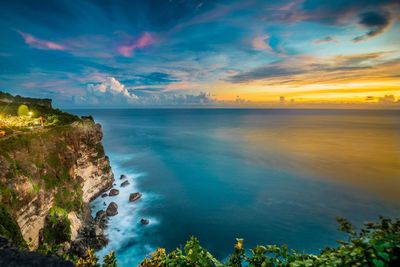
(123, 53)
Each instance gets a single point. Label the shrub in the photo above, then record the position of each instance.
(110, 260)
(89, 261)
(376, 244)
(57, 228)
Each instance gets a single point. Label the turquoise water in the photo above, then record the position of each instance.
(268, 176)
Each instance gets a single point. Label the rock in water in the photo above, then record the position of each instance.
(101, 219)
(104, 195)
(112, 209)
(126, 183)
(123, 177)
(113, 192)
(144, 221)
(100, 215)
(134, 196)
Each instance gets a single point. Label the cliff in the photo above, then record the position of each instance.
(61, 167)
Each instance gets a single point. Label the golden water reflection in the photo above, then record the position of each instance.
(359, 151)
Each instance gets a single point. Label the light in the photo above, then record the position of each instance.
(30, 113)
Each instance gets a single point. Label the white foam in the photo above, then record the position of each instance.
(125, 230)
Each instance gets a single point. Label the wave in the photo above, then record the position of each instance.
(125, 232)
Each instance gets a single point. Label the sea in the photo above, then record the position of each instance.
(269, 176)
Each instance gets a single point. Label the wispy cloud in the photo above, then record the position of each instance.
(127, 50)
(325, 67)
(261, 43)
(35, 42)
(326, 39)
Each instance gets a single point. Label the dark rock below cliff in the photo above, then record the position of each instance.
(100, 215)
(134, 196)
(123, 177)
(144, 221)
(90, 236)
(113, 192)
(10, 256)
(126, 183)
(104, 195)
(112, 209)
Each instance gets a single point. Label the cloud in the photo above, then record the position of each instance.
(153, 78)
(146, 39)
(271, 71)
(111, 92)
(374, 15)
(304, 65)
(376, 22)
(261, 43)
(327, 39)
(34, 42)
(387, 99)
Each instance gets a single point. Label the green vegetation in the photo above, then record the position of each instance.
(57, 228)
(9, 228)
(110, 260)
(376, 244)
(92, 261)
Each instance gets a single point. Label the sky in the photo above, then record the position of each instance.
(195, 52)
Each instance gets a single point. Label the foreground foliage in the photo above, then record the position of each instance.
(92, 261)
(376, 244)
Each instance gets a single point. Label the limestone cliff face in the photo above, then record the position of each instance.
(64, 167)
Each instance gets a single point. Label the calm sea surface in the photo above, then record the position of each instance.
(268, 176)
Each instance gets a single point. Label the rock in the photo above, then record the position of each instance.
(123, 177)
(113, 192)
(126, 183)
(144, 221)
(100, 215)
(134, 196)
(98, 231)
(112, 209)
(101, 219)
(104, 195)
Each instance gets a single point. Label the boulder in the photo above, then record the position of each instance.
(112, 209)
(104, 195)
(134, 196)
(100, 215)
(123, 177)
(126, 183)
(144, 221)
(113, 192)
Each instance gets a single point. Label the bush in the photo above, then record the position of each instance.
(92, 261)
(57, 228)
(110, 260)
(376, 244)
